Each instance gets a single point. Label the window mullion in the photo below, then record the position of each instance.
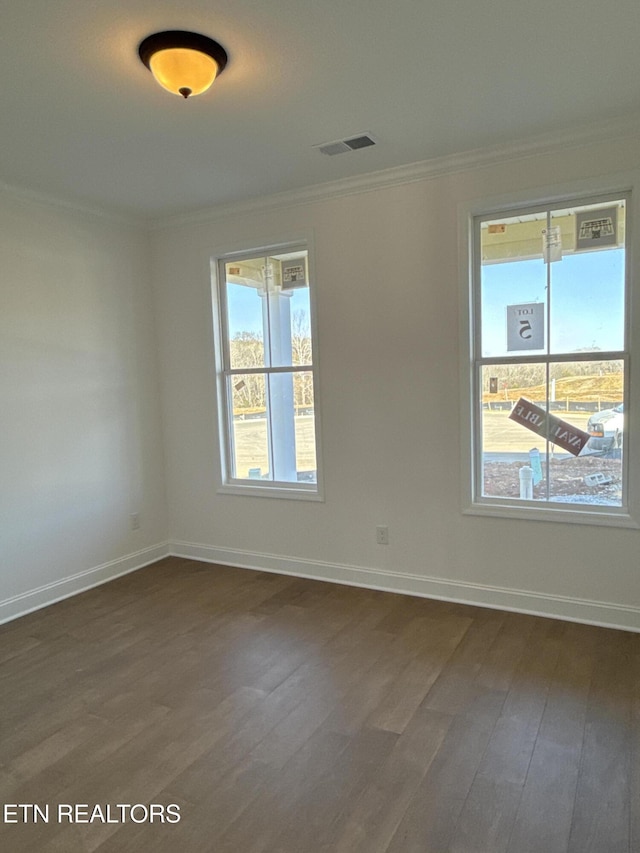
(287, 368)
(559, 358)
(547, 367)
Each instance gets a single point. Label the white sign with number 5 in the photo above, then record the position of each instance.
(525, 327)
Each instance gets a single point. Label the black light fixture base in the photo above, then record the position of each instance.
(181, 38)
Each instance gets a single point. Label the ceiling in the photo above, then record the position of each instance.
(84, 121)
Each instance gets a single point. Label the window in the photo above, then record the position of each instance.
(266, 373)
(550, 360)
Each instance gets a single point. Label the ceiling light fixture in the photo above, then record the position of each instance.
(183, 63)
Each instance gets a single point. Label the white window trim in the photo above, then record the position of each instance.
(267, 488)
(628, 516)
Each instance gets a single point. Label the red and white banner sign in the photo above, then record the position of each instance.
(549, 426)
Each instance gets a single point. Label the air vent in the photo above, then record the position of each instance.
(352, 143)
(332, 148)
(363, 141)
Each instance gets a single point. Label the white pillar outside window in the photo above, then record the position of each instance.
(276, 319)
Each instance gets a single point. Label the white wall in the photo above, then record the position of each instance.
(84, 413)
(387, 291)
(80, 432)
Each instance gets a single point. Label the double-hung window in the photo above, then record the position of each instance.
(266, 373)
(550, 360)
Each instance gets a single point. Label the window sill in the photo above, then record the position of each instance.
(278, 490)
(532, 511)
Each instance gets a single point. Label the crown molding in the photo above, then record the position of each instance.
(423, 170)
(73, 207)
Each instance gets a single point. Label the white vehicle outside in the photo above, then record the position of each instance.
(606, 429)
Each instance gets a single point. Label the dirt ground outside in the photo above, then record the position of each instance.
(251, 445)
(501, 478)
(567, 480)
(566, 473)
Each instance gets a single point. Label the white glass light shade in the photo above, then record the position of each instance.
(183, 71)
(183, 63)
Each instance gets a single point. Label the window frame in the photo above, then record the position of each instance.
(471, 361)
(246, 486)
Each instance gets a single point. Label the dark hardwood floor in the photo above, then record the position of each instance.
(290, 716)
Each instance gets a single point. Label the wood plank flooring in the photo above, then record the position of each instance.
(290, 716)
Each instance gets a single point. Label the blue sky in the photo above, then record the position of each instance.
(245, 307)
(587, 300)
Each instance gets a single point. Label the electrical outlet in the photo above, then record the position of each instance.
(382, 534)
(134, 519)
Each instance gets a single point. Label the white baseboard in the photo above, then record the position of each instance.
(34, 599)
(604, 614)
